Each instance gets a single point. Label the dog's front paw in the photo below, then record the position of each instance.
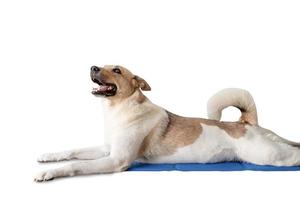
(44, 176)
(55, 157)
(47, 157)
(52, 157)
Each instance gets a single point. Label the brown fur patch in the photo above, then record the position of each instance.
(249, 117)
(233, 129)
(168, 135)
(177, 131)
(141, 97)
(181, 131)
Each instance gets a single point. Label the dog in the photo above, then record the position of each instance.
(138, 130)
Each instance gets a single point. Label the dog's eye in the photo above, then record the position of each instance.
(117, 70)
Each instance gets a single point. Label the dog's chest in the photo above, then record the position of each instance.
(138, 119)
(115, 125)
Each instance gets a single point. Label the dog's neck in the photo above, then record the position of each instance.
(129, 110)
(136, 99)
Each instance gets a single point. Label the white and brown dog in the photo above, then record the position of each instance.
(138, 130)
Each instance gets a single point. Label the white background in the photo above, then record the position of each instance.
(186, 50)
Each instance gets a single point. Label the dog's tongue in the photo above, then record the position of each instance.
(103, 88)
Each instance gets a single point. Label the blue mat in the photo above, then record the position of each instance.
(224, 166)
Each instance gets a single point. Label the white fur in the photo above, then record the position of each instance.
(258, 148)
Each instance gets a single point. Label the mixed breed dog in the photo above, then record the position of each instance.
(138, 130)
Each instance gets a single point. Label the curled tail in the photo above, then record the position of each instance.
(238, 98)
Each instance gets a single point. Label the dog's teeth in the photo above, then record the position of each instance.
(95, 89)
(95, 85)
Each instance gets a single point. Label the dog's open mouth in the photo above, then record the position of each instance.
(107, 89)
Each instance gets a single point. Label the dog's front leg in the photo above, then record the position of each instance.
(123, 151)
(105, 165)
(81, 154)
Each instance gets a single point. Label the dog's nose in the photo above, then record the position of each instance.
(95, 69)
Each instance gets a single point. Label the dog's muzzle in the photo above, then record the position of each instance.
(104, 88)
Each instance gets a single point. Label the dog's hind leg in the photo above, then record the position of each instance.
(90, 153)
(277, 156)
(260, 148)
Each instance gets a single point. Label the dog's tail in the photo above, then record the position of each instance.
(238, 98)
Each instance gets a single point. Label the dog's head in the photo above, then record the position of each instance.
(116, 82)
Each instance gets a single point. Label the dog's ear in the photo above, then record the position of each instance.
(141, 83)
